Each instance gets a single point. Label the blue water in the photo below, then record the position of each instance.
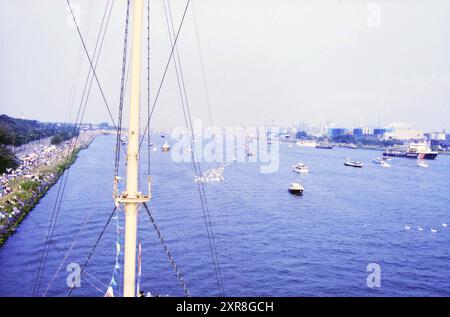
(268, 241)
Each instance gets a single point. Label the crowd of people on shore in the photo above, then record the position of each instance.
(38, 165)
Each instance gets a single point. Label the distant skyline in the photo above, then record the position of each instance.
(265, 61)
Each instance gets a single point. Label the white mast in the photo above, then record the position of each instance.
(132, 198)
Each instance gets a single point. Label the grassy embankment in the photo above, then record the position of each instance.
(27, 193)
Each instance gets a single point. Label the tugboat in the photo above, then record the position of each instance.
(296, 189)
(300, 168)
(353, 163)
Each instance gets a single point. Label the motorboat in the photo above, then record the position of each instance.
(296, 189)
(353, 163)
(381, 162)
(300, 168)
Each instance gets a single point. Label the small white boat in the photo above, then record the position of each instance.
(419, 228)
(353, 163)
(407, 227)
(296, 188)
(422, 164)
(300, 168)
(165, 147)
(433, 230)
(381, 162)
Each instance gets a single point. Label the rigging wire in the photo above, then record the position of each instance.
(202, 65)
(62, 253)
(63, 182)
(91, 63)
(93, 285)
(196, 165)
(68, 252)
(165, 72)
(93, 248)
(203, 72)
(74, 88)
(150, 112)
(79, 65)
(122, 92)
(168, 253)
(197, 168)
(148, 93)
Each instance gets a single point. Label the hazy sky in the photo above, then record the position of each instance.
(280, 60)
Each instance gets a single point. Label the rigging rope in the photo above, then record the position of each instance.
(202, 65)
(93, 285)
(68, 252)
(78, 67)
(70, 105)
(150, 112)
(148, 92)
(196, 165)
(64, 255)
(91, 63)
(93, 248)
(166, 249)
(63, 182)
(165, 73)
(122, 92)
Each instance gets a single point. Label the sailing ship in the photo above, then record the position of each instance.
(132, 199)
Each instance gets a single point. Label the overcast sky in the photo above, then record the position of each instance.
(280, 61)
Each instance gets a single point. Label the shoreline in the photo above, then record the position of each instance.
(29, 183)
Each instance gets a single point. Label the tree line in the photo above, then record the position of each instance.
(17, 132)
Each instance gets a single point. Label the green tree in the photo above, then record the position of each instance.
(7, 159)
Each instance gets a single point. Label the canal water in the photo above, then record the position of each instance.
(269, 243)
